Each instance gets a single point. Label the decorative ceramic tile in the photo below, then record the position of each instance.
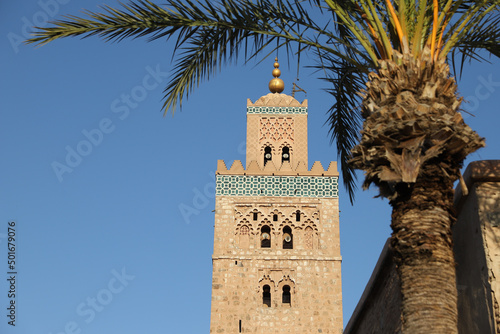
(289, 186)
(276, 110)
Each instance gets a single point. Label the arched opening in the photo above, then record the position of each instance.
(275, 218)
(286, 296)
(285, 154)
(297, 216)
(266, 295)
(287, 238)
(267, 155)
(265, 237)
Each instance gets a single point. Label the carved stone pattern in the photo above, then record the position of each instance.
(249, 229)
(309, 237)
(244, 213)
(276, 129)
(244, 230)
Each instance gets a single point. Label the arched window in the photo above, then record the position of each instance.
(266, 295)
(286, 296)
(265, 237)
(309, 237)
(267, 155)
(287, 238)
(285, 154)
(297, 216)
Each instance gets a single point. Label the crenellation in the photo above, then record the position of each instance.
(285, 169)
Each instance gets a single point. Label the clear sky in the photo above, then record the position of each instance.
(102, 244)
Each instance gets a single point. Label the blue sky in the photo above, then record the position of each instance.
(102, 244)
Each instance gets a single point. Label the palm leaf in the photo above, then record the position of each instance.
(347, 45)
(344, 117)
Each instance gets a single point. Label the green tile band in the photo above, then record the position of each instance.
(289, 186)
(277, 110)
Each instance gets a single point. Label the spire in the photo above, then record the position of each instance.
(276, 85)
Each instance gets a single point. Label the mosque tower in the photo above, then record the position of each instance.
(276, 260)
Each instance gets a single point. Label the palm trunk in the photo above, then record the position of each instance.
(422, 244)
(413, 145)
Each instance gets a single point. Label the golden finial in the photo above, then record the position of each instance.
(276, 85)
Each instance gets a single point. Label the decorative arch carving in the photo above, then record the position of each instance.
(298, 216)
(245, 234)
(315, 215)
(246, 222)
(286, 290)
(287, 144)
(286, 222)
(309, 222)
(244, 212)
(286, 216)
(310, 235)
(286, 280)
(266, 279)
(238, 213)
(266, 237)
(279, 215)
(266, 144)
(265, 221)
(258, 212)
(268, 153)
(267, 291)
(281, 233)
(277, 128)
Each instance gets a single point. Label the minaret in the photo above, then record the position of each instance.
(276, 261)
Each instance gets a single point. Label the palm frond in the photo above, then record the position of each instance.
(479, 30)
(485, 37)
(344, 117)
(352, 40)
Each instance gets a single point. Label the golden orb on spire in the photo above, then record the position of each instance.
(276, 85)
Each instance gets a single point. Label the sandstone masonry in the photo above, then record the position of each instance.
(276, 261)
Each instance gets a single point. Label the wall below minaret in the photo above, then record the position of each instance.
(240, 270)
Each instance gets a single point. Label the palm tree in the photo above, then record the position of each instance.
(384, 61)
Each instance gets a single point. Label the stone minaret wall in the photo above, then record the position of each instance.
(277, 120)
(250, 281)
(241, 268)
